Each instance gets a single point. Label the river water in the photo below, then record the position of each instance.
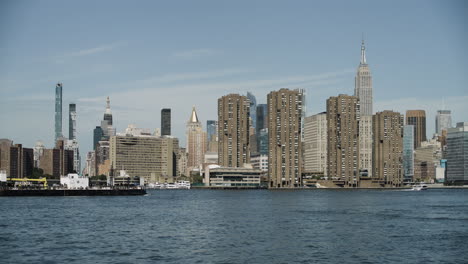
(248, 226)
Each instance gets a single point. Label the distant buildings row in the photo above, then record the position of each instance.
(347, 144)
(276, 144)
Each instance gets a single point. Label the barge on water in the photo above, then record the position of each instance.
(72, 192)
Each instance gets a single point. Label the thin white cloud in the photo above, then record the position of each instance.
(180, 77)
(88, 51)
(189, 54)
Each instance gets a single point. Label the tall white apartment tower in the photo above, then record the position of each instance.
(315, 143)
(363, 90)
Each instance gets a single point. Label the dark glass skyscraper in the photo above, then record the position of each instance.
(97, 136)
(262, 117)
(58, 111)
(166, 122)
(72, 121)
(253, 109)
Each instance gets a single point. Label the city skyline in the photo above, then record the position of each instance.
(90, 70)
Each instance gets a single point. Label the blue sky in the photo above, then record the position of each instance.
(149, 55)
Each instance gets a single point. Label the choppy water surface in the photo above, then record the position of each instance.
(258, 226)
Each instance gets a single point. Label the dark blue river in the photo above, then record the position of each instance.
(258, 226)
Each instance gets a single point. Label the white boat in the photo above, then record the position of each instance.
(176, 185)
(419, 187)
(183, 184)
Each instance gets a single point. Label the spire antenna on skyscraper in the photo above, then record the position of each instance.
(363, 51)
(108, 110)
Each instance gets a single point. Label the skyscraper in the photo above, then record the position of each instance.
(106, 129)
(212, 135)
(72, 121)
(443, 121)
(388, 147)
(196, 141)
(108, 113)
(262, 117)
(285, 117)
(58, 111)
(408, 153)
(315, 143)
(253, 109)
(233, 130)
(262, 138)
(211, 128)
(363, 84)
(262, 124)
(457, 154)
(166, 122)
(343, 114)
(364, 91)
(417, 118)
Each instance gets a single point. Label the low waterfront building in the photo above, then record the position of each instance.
(232, 177)
(74, 181)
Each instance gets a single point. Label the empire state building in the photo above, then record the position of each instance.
(363, 84)
(363, 90)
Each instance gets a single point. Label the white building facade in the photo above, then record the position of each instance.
(315, 143)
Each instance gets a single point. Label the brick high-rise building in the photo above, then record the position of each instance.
(16, 161)
(417, 118)
(343, 114)
(388, 147)
(233, 130)
(285, 119)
